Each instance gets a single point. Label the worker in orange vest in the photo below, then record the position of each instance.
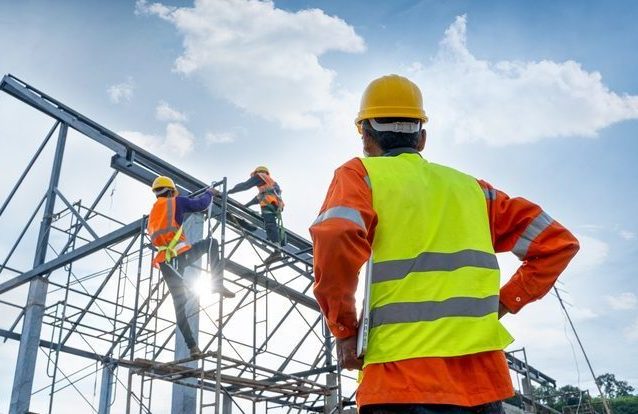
(432, 341)
(271, 204)
(175, 252)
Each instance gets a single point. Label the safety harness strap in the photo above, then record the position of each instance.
(170, 249)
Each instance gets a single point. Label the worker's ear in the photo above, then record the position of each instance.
(420, 145)
(370, 146)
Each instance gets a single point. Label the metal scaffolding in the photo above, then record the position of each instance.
(94, 297)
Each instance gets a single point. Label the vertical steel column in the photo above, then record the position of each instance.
(331, 402)
(34, 309)
(106, 388)
(254, 358)
(184, 398)
(227, 408)
(332, 379)
(133, 328)
(220, 323)
(528, 391)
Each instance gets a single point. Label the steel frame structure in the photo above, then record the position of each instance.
(115, 315)
(96, 297)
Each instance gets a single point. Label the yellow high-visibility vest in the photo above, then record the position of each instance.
(435, 277)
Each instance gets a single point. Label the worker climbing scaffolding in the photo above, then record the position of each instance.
(175, 252)
(271, 204)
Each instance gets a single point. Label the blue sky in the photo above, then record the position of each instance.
(540, 100)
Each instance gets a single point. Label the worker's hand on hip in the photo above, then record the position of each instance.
(347, 353)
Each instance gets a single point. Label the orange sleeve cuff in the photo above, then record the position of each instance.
(340, 331)
(514, 297)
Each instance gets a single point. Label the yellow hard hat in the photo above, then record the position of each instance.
(391, 96)
(261, 169)
(163, 182)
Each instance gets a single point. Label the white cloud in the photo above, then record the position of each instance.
(592, 227)
(122, 91)
(263, 59)
(178, 140)
(593, 253)
(513, 102)
(623, 301)
(582, 314)
(220, 137)
(631, 332)
(164, 112)
(627, 235)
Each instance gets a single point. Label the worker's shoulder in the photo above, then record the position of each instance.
(445, 169)
(181, 200)
(190, 200)
(353, 165)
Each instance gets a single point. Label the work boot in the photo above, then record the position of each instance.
(195, 351)
(220, 288)
(274, 256)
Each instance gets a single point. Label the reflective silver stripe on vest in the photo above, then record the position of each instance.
(429, 261)
(170, 214)
(346, 213)
(406, 312)
(490, 193)
(536, 227)
(164, 231)
(367, 180)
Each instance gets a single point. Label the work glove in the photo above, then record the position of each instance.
(347, 353)
(215, 191)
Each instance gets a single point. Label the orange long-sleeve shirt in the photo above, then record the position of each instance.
(341, 246)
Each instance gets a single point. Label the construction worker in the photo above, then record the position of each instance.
(175, 253)
(435, 342)
(270, 202)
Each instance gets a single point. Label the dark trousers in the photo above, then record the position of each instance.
(178, 289)
(489, 408)
(271, 227)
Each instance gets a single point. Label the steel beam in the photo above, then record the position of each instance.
(523, 368)
(238, 217)
(103, 242)
(143, 166)
(272, 285)
(129, 151)
(34, 309)
(52, 345)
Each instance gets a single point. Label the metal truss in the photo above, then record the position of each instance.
(94, 297)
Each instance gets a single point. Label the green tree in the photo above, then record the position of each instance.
(569, 395)
(619, 405)
(546, 395)
(557, 398)
(614, 388)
